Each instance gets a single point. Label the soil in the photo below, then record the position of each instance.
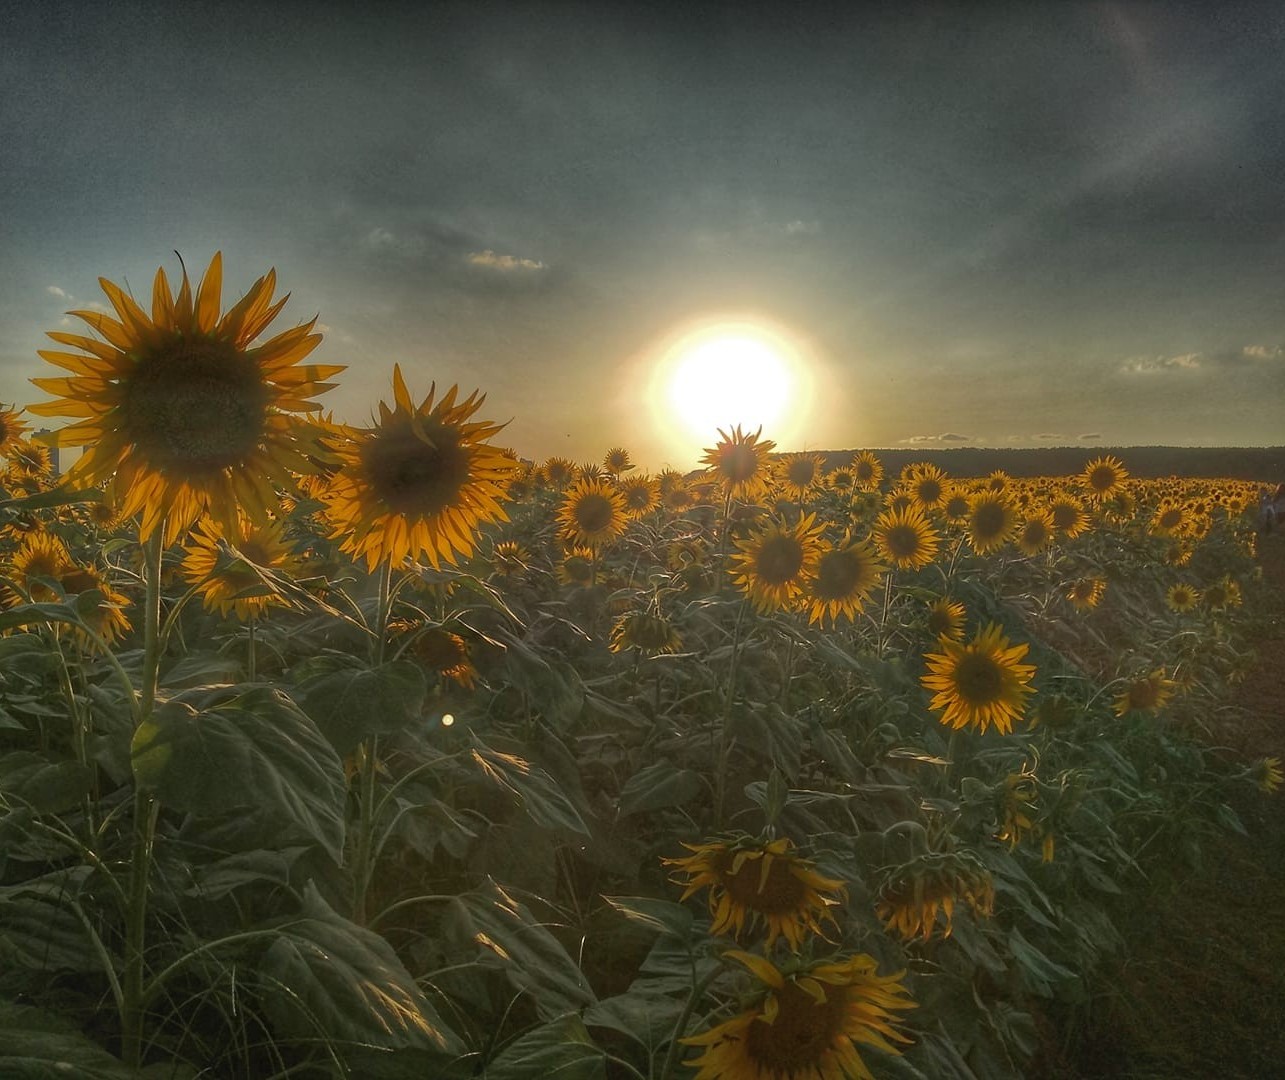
(1201, 992)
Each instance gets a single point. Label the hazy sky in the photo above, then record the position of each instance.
(1009, 225)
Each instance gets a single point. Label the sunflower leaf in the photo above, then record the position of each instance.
(349, 704)
(561, 1048)
(35, 1044)
(540, 796)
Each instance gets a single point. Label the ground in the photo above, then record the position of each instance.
(1202, 991)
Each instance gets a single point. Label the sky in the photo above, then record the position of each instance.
(973, 225)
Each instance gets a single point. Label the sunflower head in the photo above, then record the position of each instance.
(1018, 809)
(906, 538)
(617, 461)
(1182, 598)
(773, 564)
(991, 521)
(641, 495)
(593, 513)
(946, 619)
(738, 461)
(1268, 775)
(651, 634)
(179, 409)
(982, 684)
(12, 428)
(1103, 476)
(921, 894)
(578, 567)
(1086, 593)
(439, 651)
(559, 472)
(754, 881)
(233, 571)
(1035, 533)
(867, 470)
(1148, 693)
(845, 576)
(41, 555)
(799, 474)
(106, 617)
(421, 482)
(806, 1022)
(927, 485)
(509, 558)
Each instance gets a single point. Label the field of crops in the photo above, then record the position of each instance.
(384, 752)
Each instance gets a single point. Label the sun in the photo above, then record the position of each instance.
(728, 372)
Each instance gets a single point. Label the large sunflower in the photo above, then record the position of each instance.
(420, 482)
(906, 537)
(773, 564)
(593, 513)
(799, 474)
(1103, 476)
(991, 521)
(641, 495)
(867, 470)
(982, 684)
(1069, 518)
(178, 410)
(928, 486)
(739, 461)
(844, 578)
(233, 571)
(806, 1024)
(757, 880)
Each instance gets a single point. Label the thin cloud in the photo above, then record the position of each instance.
(947, 436)
(505, 264)
(1048, 436)
(53, 290)
(1153, 365)
(1090, 438)
(1232, 357)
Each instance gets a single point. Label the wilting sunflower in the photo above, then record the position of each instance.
(650, 634)
(11, 428)
(844, 578)
(439, 651)
(1103, 476)
(1146, 694)
(1018, 798)
(233, 571)
(991, 522)
(867, 470)
(805, 1024)
(1036, 533)
(1086, 593)
(1182, 597)
(773, 564)
(422, 481)
(906, 538)
(914, 897)
(799, 474)
(982, 684)
(1222, 594)
(641, 495)
(178, 411)
(593, 513)
(946, 619)
(757, 880)
(739, 462)
(1268, 775)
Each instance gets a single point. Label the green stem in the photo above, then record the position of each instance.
(720, 756)
(250, 669)
(675, 1047)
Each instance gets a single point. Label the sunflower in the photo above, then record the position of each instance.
(1169, 519)
(928, 486)
(559, 471)
(1018, 800)
(650, 634)
(233, 571)
(739, 462)
(1145, 694)
(107, 617)
(799, 474)
(41, 555)
(991, 521)
(954, 507)
(757, 880)
(177, 410)
(1086, 593)
(641, 495)
(439, 651)
(30, 457)
(805, 1024)
(946, 619)
(1222, 594)
(982, 684)
(677, 498)
(617, 461)
(844, 577)
(578, 567)
(1182, 597)
(1268, 775)
(420, 482)
(1069, 518)
(11, 428)
(1036, 533)
(867, 470)
(914, 897)
(906, 538)
(774, 563)
(997, 481)
(1103, 476)
(592, 514)
(509, 558)
(841, 480)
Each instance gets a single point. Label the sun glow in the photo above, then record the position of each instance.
(725, 372)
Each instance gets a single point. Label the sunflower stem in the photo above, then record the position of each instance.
(369, 754)
(721, 753)
(675, 1046)
(250, 667)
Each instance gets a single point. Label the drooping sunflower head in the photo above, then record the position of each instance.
(806, 1022)
(991, 521)
(593, 513)
(867, 470)
(1086, 593)
(773, 564)
(1102, 476)
(421, 482)
(755, 882)
(440, 651)
(1018, 811)
(179, 409)
(845, 576)
(641, 495)
(946, 619)
(906, 537)
(651, 634)
(1182, 597)
(982, 684)
(1035, 533)
(739, 462)
(799, 474)
(234, 571)
(1148, 693)
(919, 895)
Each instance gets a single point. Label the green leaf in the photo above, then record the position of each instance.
(535, 789)
(326, 977)
(36, 614)
(48, 786)
(559, 1050)
(533, 960)
(663, 916)
(214, 750)
(648, 1017)
(37, 1045)
(40, 931)
(349, 704)
(657, 786)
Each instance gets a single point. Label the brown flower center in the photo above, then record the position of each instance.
(801, 473)
(839, 573)
(414, 474)
(802, 1033)
(989, 520)
(779, 560)
(978, 679)
(780, 893)
(903, 541)
(593, 513)
(738, 463)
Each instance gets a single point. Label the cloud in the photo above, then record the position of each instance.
(1046, 436)
(1231, 357)
(1264, 352)
(505, 264)
(1152, 365)
(53, 290)
(1090, 438)
(801, 228)
(385, 241)
(947, 436)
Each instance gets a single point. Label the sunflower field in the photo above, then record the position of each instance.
(384, 752)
